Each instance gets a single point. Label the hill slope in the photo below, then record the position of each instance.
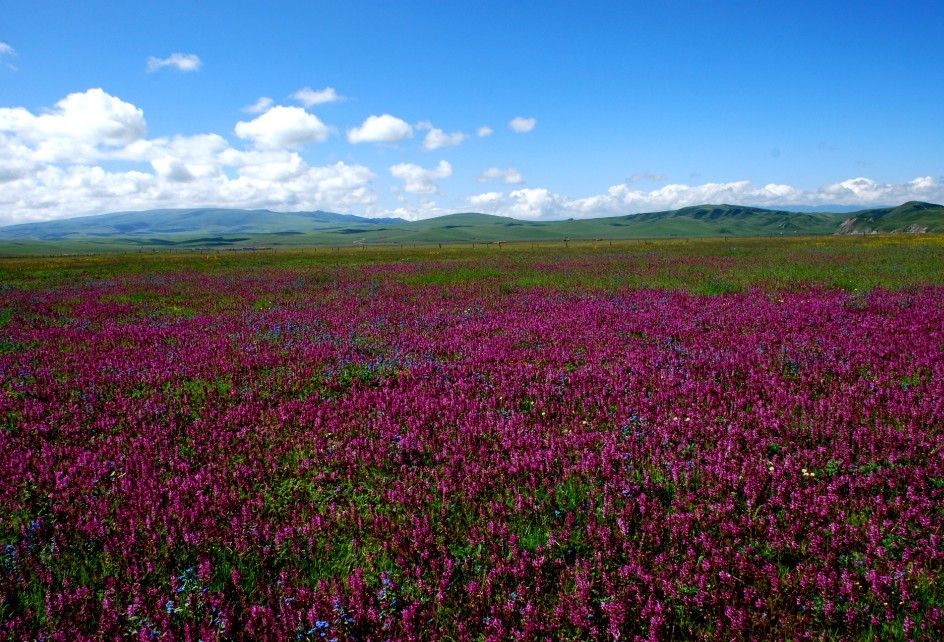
(224, 228)
(200, 222)
(913, 216)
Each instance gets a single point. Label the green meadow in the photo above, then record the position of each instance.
(701, 265)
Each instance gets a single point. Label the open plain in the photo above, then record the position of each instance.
(698, 439)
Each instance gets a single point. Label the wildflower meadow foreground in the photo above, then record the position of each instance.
(624, 443)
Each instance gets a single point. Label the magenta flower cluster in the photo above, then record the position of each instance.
(353, 454)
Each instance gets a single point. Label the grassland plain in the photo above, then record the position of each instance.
(699, 439)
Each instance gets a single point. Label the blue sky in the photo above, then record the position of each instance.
(527, 109)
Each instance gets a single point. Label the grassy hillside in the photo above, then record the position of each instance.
(236, 229)
(195, 222)
(913, 216)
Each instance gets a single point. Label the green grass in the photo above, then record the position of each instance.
(708, 266)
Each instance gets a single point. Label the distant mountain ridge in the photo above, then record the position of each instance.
(200, 221)
(229, 228)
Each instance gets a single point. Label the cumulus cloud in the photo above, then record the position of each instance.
(282, 127)
(861, 190)
(509, 176)
(426, 209)
(484, 131)
(178, 61)
(61, 161)
(16, 160)
(521, 125)
(79, 128)
(534, 203)
(418, 180)
(289, 183)
(260, 106)
(40, 181)
(488, 201)
(309, 97)
(437, 138)
(180, 159)
(56, 192)
(380, 129)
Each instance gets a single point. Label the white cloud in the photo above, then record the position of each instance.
(923, 184)
(857, 190)
(533, 203)
(289, 183)
(380, 129)
(509, 176)
(426, 209)
(7, 50)
(282, 127)
(622, 199)
(521, 125)
(437, 138)
(866, 191)
(57, 163)
(488, 201)
(259, 106)
(61, 161)
(484, 131)
(283, 182)
(309, 97)
(178, 61)
(180, 159)
(417, 180)
(16, 160)
(277, 165)
(79, 128)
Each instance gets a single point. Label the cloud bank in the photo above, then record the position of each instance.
(622, 199)
(79, 128)
(90, 153)
(56, 164)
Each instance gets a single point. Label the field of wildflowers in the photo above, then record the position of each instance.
(619, 442)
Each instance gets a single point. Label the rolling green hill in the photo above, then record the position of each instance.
(198, 222)
(230, 229)
(913, 216)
